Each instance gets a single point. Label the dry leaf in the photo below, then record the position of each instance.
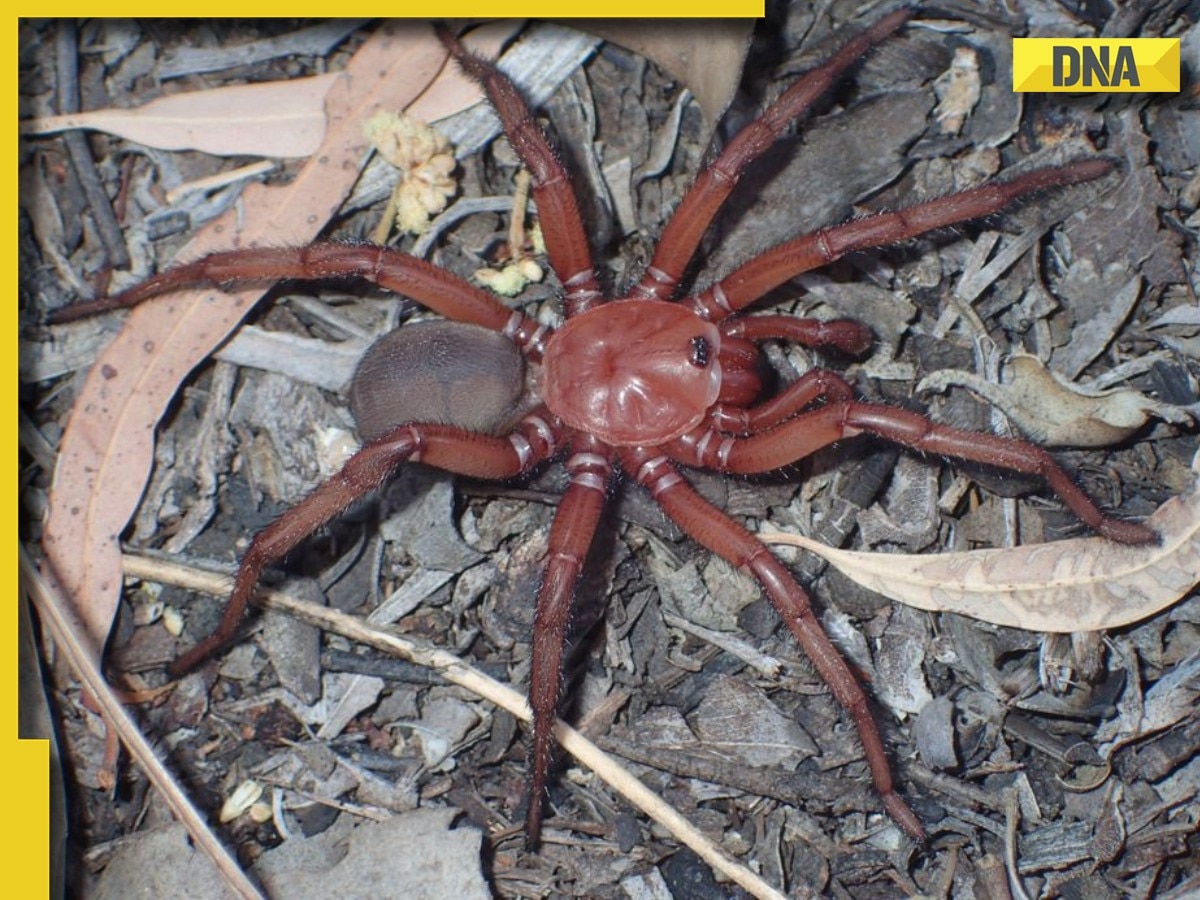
(1054, 412)
(706, 57)
(357, 859)
(108, 447)
(738, 723)
(277, 118)
(451, 91)
(1088, 584)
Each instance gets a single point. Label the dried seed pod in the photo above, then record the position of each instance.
(446, 373)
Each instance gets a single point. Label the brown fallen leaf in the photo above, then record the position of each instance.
(706, 56)
(1054, 412)
(1087, 584)
(452, 91)
(108, 447)
(276, 118)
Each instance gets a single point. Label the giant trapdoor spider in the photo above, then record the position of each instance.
(641, 386)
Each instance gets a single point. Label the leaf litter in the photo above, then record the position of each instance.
(643, 643)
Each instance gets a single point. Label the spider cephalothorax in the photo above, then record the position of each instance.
(644, 385)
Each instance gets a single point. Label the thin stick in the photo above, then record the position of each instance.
(73, 643)
(455, 671)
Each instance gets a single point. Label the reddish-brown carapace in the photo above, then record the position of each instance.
(645, 386)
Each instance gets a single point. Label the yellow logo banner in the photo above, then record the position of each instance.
(1096, 65)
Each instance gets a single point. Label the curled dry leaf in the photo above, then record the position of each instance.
(1088, 584)
(1054, 412)
(108, 446)
(313, 40)
(344, 697)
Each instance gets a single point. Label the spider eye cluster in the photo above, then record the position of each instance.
(701, 349)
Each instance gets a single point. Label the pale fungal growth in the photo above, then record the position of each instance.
(510, 279)
(426, 162)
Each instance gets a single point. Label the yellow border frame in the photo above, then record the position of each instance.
(26, 763)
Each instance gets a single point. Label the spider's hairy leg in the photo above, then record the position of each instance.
(696, 211)
(714, 530)
(815, 385)
(917, 431)
(590, 467)
(401, 273)
(442, 446)
(779, 265)
(558, 208)
(808, 432)
(845, 335)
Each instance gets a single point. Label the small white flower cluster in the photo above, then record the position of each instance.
(426, 163)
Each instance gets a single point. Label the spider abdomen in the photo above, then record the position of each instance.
(449, 373)
(633, 372)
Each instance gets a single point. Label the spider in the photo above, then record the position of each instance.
(642, 386)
